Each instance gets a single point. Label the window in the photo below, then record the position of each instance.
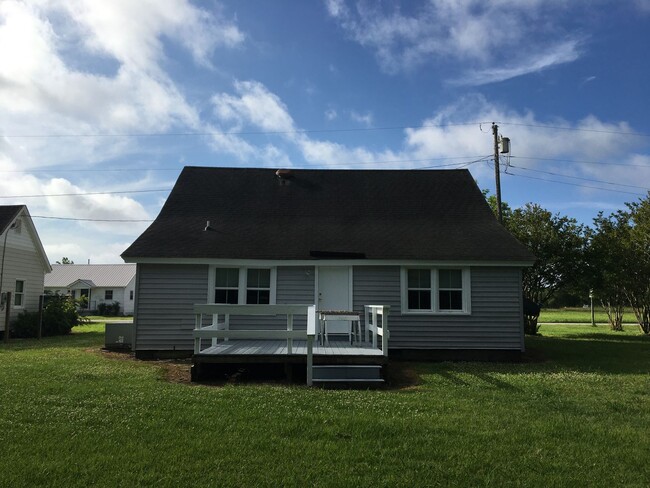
(226, 285)
(450, 289)
(258, 286)
(245, 286)
(435, 290)
(419, 289)
(131, 295)
(19, 294)
(108, 295)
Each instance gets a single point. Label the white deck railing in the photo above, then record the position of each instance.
(372, 315)
(221, 330)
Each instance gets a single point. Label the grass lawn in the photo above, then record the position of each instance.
(577, 415)
(580, 316)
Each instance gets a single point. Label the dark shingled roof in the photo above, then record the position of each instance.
(350, 214)
(7, 215)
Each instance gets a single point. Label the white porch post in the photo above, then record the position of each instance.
(197, 340)
(384, 330)
(289, 328)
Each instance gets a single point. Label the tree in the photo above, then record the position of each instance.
(558, 242)
(65, 260)
(506, 211)
(608, 257)
(637, 272)
(619, 253)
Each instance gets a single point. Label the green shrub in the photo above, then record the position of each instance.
(108, 309)
(25, 325)
(60, 315)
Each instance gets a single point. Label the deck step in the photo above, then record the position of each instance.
(352, 373)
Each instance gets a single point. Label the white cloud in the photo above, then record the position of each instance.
(510, 34)
(330, 114)
(80, 67)
(558, 54)
(450, 136)
(253, 104)
(363, 119)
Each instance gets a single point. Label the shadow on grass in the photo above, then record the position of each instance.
(75, 339)
(606, 353)
(611, 337)
(582, 353)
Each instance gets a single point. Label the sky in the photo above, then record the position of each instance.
(103, 103)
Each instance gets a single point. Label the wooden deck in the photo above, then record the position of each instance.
(272, 348)
(276, 351)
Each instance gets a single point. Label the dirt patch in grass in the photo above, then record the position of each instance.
(400, 375)
(176, 371)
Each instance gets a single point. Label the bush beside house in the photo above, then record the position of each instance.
(60, 315)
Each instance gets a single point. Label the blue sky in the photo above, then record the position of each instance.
(104, 97)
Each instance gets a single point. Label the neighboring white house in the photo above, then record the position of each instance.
(99, 283)
(23, 262)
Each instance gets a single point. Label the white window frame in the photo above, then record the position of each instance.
(112, 294)
(22, 295)
(243, 285)
(435, 299)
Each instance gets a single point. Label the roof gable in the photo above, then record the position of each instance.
(9, 214)
(312, 214)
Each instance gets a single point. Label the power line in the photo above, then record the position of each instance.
(579, 178)
(581, 161)
(245, 164)
(575, 184)
(241, 133)
(89, 220)
(84, 194)
(324, 131)
(577, 129)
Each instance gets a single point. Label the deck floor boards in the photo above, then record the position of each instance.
(279, 347)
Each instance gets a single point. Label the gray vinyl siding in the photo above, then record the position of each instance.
(495, 321)
(294, 285)
(25, 265)
(166, 295)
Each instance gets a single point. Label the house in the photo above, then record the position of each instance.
(423, 244)
(23, 264)
(98, 283)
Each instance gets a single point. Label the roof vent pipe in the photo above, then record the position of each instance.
(284, 174)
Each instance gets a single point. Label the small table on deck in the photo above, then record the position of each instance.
(339, 315)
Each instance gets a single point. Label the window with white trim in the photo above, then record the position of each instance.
(450, 289)
(258, 286)
(108, 294)
(243, 286)
(435, 290)
(19, 293)
(419, 289)
(226, 285)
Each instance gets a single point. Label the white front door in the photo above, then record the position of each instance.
(334, 293)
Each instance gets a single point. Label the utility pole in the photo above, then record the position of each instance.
(497, 174)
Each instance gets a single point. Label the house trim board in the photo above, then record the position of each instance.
(270, 263)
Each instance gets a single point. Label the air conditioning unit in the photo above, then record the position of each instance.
(118, 336)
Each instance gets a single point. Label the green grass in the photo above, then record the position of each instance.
(578, 415)
(580, 316)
